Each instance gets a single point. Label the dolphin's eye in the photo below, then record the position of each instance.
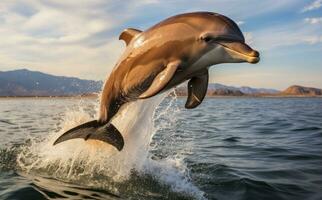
(207, 39)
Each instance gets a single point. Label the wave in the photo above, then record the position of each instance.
(98, 165)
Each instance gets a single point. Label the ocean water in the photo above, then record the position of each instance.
(227, 148)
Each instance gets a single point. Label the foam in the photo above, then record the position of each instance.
(97, 161)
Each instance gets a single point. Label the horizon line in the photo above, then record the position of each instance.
(210, 82)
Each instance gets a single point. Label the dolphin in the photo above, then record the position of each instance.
(180, 48)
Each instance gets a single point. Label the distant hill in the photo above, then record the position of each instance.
(225, 92)
(297, 90)
(33, 83)
(216, 89)
(244, 90)
(24, 82)
(249, 90)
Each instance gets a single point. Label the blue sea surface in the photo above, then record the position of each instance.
(231, 148)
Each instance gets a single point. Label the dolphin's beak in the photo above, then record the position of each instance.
(243, 51)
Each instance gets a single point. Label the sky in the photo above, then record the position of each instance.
(80, 38)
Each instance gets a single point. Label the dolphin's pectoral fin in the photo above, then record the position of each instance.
(128, 34)
(161, 80)
(197, 89)
(94, 130)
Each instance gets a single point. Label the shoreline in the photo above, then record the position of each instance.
(48, 97)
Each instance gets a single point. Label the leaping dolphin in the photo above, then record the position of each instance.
(180, 48)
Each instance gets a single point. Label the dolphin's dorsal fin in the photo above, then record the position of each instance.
(161, 80)
(197, 89)
(128, 34)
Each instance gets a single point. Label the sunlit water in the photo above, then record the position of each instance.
(227, 148)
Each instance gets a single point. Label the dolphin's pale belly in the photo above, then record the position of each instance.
(191, 71)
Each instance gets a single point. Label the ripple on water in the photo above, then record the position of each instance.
(232, 139)
(232, 148)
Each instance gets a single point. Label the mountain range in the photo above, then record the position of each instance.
(32, 83)
(24, 82)
(216, 89)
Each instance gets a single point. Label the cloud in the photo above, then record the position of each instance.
(74, 37)
(249, 38)
(284, 35)
(63, 37)
(313, 6)
(313, 20)
(313, 39)
(239, 23)
(238, 10)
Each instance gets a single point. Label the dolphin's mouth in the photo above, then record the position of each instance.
(242, 50)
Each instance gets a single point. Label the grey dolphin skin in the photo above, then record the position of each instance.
(180, 48)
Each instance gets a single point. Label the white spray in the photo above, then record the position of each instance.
(76, 160)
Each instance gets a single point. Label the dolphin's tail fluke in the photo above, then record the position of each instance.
(93, 130)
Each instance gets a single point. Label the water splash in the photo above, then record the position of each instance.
(99, 165)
